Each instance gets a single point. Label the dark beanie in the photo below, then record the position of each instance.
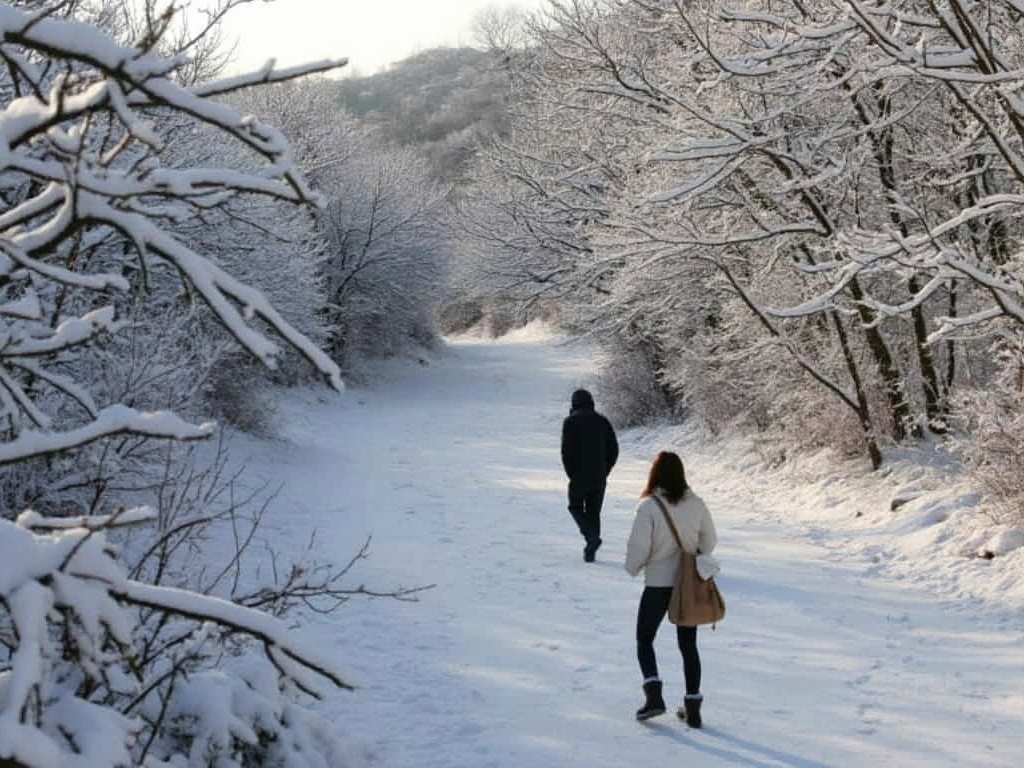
(582, 399)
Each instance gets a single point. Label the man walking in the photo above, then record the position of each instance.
(589, 451)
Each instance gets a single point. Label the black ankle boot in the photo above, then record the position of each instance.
(655, 705)
(690, 711)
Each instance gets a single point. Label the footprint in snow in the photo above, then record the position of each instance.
(469, 729)
(859, 680)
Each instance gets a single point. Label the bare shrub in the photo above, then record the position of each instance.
(491, 317)
(629, 389)
(807, 418)
(989, 434)
(238, 393)
(500, 318)
(164, 614)
(460, 317)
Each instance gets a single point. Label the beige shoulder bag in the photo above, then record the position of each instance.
(694, 600)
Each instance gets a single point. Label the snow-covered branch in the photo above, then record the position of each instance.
(273, 633)
(112, 420)
(90, 209)
(71, 607)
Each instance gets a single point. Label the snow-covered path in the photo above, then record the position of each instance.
(523, 656)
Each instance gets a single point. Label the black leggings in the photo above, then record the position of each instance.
(653, 606)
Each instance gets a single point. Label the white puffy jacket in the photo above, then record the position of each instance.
(652, 547)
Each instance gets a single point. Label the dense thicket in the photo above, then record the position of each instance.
(800, 217)
(162, 245)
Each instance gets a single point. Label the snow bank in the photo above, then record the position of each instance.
(920, 518)
(533, 331)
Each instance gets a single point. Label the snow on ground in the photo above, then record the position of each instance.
(850, 640)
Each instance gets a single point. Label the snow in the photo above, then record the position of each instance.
(857, 635)
(26, 308)
(268, 73)
(220, 290)
(72, 569)
(1002, 543)
(71, 332)
(112, 420)
(64, 383)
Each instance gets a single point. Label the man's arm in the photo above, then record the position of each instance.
(568, 460)
(611, 449)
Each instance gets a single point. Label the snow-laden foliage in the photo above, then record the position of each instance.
(130, 199)
(380, 239)
(990, 437)
(386, 247)
(89, 210)
(79, 689)
(813, 203)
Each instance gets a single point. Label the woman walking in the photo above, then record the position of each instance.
(652, 548)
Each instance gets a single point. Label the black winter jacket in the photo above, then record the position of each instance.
(589, 447)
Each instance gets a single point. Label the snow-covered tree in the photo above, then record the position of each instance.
(97, 251)
(381, 248)
(804, 216)
(386, 251)
(82, 170)
(770, 145)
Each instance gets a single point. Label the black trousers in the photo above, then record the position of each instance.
(653, 607)
(585, 501)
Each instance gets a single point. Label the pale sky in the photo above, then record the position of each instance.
(370, 33)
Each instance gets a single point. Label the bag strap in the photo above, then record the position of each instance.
(668, 519)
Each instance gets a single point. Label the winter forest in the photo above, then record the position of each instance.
(280, 352)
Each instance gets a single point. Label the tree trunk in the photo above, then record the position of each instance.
(950, 343)
(934, 397)
(890, 373)
(863, 413)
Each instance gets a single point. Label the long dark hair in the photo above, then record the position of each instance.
(667, 474)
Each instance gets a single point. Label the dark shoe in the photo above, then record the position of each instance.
(655, 705)
(588, 555)
(690, 711)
